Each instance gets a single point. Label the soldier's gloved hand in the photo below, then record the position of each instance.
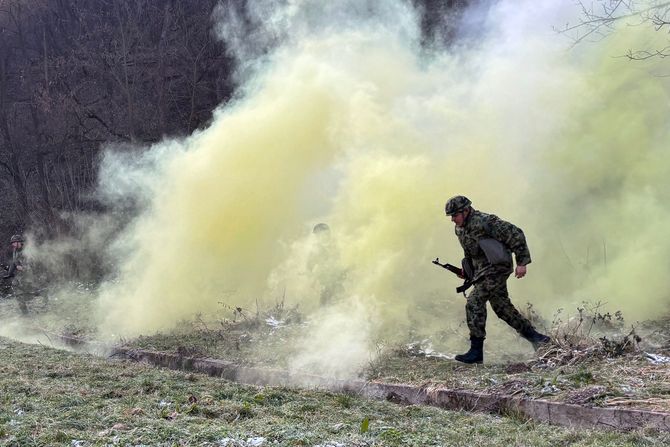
(520, 271)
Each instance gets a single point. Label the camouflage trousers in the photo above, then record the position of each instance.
(13, 288)
(493, 289)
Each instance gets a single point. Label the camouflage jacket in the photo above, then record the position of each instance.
(14, 259)
(480, 225)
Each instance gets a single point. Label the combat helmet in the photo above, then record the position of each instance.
(456, 204)
(16, 238)
(320, 227)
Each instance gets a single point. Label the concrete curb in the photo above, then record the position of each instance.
(557, 413)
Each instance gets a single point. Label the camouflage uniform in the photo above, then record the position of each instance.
(14, 284)
(491, 280)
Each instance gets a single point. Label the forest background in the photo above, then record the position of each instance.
(77, 75)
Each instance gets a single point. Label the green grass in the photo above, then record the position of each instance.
(248, 340)
(50, 397)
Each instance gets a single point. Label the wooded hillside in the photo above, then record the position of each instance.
(76, 74)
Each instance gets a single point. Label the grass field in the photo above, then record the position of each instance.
(53, 397)
(585, 371)
(580, 368)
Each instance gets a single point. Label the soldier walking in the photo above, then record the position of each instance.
(488, 243)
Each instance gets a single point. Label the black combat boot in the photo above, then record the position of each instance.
(535, 338)
(476, 352)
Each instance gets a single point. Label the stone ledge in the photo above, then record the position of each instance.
(557, 413)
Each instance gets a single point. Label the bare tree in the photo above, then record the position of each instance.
(78, 73)
(600, 18)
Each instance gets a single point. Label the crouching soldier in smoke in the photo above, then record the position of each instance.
(323, 266)
(14, 283)
(488, 243)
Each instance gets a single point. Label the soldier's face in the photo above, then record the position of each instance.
(459, 218)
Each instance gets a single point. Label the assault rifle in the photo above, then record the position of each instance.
(461, 273)
(452, 268)
(10, 269)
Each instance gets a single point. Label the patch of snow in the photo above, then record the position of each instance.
(425, 348)
(274, 323)
(250, 442)
(338, 427)
(657, 359)
(549, 389)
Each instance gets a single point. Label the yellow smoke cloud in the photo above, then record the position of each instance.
(213, 227)
(608, 181)
(352, 127)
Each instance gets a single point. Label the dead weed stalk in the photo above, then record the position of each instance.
(591, 334)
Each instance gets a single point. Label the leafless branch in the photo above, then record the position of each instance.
(599, 24)
(640, 55)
